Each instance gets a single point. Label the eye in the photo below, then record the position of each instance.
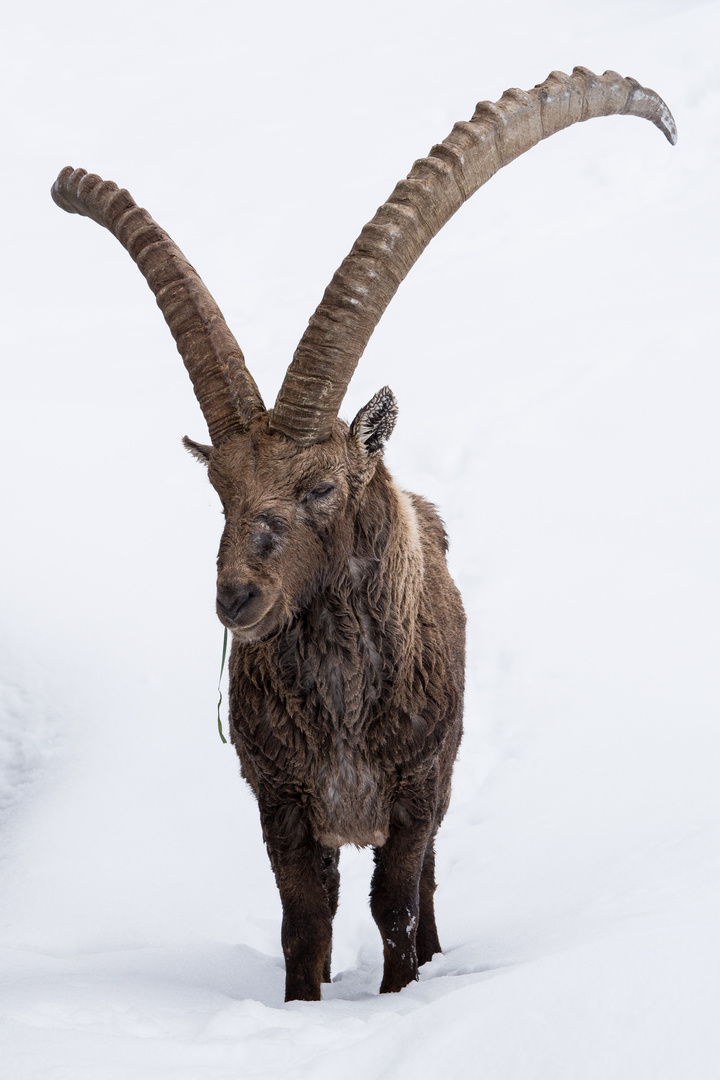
(320, 491)
(267, 534)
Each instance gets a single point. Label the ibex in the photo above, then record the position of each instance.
(347, 659)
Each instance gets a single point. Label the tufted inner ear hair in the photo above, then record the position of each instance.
(374, 424)
(199, 452)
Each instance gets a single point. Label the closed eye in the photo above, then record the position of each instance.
(320, 491)
(267, 533)
(270, 525)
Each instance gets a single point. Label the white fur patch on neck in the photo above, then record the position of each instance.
(408, 514)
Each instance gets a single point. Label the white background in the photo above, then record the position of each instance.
(554, 353)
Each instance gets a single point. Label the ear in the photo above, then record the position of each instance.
(374, 424)
(199, 452)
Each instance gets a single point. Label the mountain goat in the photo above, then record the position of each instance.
(347, 660)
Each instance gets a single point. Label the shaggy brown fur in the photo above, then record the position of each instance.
(346, 678)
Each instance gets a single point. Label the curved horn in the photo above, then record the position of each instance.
(224, 387)
(437, 186)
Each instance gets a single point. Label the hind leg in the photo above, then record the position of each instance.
(427, 942)
(331, 882)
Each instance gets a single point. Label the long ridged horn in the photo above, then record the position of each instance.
(437, 186)
(224, 387)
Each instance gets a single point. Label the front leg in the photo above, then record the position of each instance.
(301, 871)
(395, 900)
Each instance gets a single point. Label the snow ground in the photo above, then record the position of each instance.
(571, 446)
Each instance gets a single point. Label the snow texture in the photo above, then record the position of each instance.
(570, 310)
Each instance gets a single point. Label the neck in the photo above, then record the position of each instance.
(352, 648)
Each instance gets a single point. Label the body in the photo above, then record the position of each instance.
(346, 703)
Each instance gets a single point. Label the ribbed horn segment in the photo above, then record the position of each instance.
(437, 186)
(224, 387)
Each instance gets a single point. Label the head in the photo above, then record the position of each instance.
(289, 512)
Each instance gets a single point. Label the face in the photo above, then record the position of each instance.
(286, 509)
(289, 513)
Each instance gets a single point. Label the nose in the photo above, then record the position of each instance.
(236, 602)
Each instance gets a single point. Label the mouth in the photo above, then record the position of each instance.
(247, 632)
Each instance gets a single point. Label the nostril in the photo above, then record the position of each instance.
(235, 601)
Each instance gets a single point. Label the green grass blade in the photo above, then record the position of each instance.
(222, 668)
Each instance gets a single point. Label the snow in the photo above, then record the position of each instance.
(570, 311)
